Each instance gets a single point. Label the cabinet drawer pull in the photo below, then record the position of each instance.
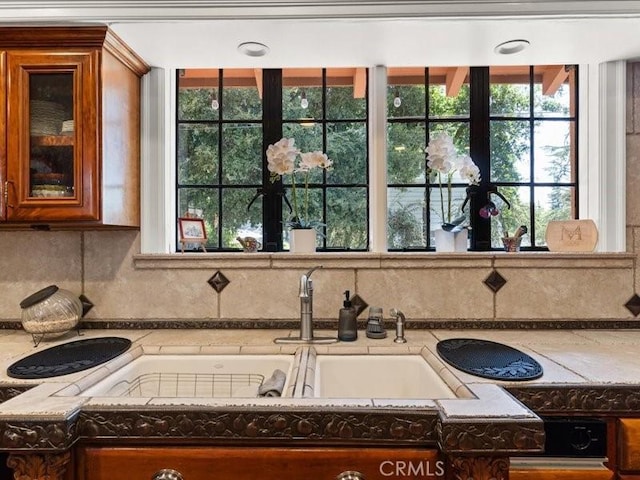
(167, 474)
(350, 475)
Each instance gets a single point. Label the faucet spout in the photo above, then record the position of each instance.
(306, 305)
(305, 293)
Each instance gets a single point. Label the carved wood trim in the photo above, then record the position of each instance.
(407, 427)
(619, 399)
(48, 466)
(496, 436)
(478, 468)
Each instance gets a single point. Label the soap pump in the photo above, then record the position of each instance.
(347, 321)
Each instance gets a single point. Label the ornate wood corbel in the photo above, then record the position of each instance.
(46, 466)
(478, 468)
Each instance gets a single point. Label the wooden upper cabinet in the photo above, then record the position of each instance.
(71, 106)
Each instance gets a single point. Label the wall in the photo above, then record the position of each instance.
(123, 286)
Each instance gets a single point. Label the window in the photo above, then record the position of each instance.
(225, 120)
(519, 125)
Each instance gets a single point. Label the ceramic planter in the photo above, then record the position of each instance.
(302, 240)
(451, 241)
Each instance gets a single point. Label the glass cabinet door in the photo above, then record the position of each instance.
(52, 137)
(52, 134)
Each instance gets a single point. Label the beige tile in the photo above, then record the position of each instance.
(429, 293)
(633, 175)
(88, 380)
(119, 291)
(564, 261)
(115, 402)
(397, 349)
(492, 401)
(260, 349)
(616, 363)
(428, 261)
(202, 337)
(636, 251)
(220, 350)
(400, 403)
(275, 293)
(564, 293)
(180, 349)
(329, 261)
(34, 260)
(212, 261)
(39, 403)
(611, 337)
(517, 337)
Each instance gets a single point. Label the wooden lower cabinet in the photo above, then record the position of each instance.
(629, 445)
(264, 463)
(555, 474)
(559, 469)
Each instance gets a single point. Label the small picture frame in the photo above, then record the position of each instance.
(192, 231)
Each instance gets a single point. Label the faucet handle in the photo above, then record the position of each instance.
(305, 282)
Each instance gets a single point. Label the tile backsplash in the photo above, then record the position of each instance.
(105, 266)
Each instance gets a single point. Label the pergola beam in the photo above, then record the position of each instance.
(257, 73)
(360, 83)
(454, 80)
(552, 78)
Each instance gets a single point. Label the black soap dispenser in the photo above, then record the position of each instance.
(347, 321)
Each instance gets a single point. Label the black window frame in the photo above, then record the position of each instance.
(272, 193)
(479, 121)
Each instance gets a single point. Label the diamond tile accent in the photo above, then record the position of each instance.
(359, 304)
(633, 305)
(86, 304)
(495, 281)
(218, 282)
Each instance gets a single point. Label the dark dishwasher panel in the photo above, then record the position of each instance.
(575, 437)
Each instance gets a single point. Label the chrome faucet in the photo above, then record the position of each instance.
(306, 305)
(400, 321)
(305, 293)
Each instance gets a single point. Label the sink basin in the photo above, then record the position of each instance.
(378, 376)
(204, 376)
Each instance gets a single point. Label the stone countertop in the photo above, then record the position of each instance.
(590, 371)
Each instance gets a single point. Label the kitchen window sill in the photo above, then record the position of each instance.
(367, 260)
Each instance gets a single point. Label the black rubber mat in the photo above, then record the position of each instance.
(488, 359)
(69, 358)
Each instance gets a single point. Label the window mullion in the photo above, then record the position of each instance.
(480, 151)
(271, 133)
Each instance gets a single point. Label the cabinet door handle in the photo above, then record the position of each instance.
(350, 475)
(167, 474)
(6, 193)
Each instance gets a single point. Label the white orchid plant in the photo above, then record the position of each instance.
(443, 162)
(281, 160)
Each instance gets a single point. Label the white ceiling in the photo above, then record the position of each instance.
(404, 42)
(201, 33)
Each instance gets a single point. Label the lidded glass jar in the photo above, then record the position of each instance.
(51, 310)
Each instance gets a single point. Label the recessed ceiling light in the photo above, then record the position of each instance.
(511, 47)
(253, 49)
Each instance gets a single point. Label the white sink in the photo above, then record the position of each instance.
(378, 376)
(208, 376)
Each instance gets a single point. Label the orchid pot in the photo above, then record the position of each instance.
(302, 240)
